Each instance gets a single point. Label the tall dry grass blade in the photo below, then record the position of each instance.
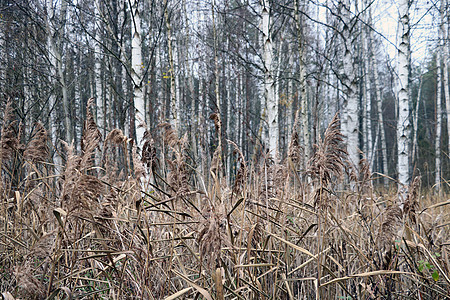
(412, 200)
(219, 285)
(241, 175)
(10, 134)
(178, 294)
(365, 175)
(194, 285)
(30, 286)
(91, 137)
(329, 155)
(37, 149)
(218, 124)
(80, 191)
(294, 153)
(139, 168)
(298, 248)
(210, 237)
(170, 135)
(367, 274)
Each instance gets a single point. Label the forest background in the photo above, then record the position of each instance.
(256, 64)
(120, 113)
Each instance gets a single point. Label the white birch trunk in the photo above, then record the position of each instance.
(136, 70)
(437, 145)
(201, 125)
(229, 131)
(440, 79)
(174, 105)
(277, 88)
(77, 107)
(108, 88)
(200, 106)
(368, 149)
(51, 45)
(415, 146)
(216, 61)
(403, 123)
(350, 106)
(175, 72)
(97, 69)
(124, 59)
(269, 89)
(447, 94)
(304, 125)
(187, 60)
(123, 71)
(241, 109)
(160, 105)
(445, 56)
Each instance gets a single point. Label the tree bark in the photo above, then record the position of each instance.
(350, 105)
(437, 145)
(415, 146)
(445, 56)
(368, 147)
(269, 89)
(174, 100)
(216, 59)
(136, 71)
(403, 123)
(304, 125)
(97, 69)
(52, 49)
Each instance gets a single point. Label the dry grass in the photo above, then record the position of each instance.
(141, 225)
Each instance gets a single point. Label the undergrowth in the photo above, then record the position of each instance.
(115, 222)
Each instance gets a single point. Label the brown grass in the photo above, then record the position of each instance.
(141, 225)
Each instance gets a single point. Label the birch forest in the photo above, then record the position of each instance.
(224, 149)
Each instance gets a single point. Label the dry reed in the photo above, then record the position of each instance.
(101, 229)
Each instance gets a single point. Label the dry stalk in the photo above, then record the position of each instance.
(326, 163)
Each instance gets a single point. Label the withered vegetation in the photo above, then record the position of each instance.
(118, 222)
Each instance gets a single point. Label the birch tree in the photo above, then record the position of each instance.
(52, 49)
(61, 74)
(437, 144)
(269, 92)
(174, 117)
(188, 55)
(97, 68)
(216, 59)
(136, 70)
(368, 149)
(414, 152)
(350, 106)
(445, 57)
(304, 125)
(403, 122)
(440, 78)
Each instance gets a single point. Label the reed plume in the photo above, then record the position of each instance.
(37, 149)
